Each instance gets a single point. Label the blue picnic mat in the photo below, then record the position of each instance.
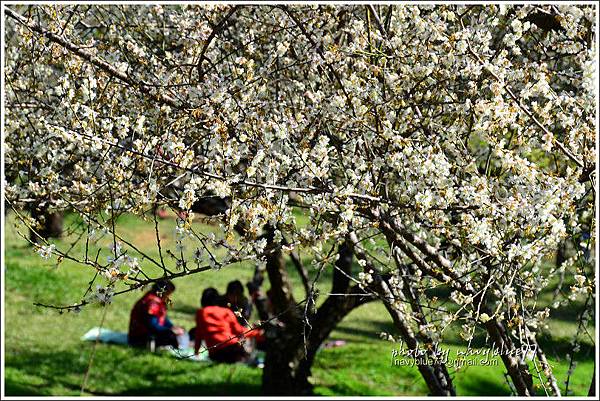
(108, 336)
(105, 336)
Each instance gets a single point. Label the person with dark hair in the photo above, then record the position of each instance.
(235, 300)
(220, 330)
(259, 299)
(149, 323)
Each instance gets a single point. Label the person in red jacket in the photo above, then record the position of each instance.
(149, 319)
(220, 330)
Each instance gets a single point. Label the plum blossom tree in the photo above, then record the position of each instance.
(439, 146)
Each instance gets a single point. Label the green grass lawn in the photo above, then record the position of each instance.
(45, 356)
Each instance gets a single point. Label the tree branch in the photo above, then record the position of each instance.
(103, 65)
(216, 30)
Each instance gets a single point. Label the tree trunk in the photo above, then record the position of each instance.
(545, 365)
(435, 373)
(517, 369)
(291, 350)
(328, 316)
(51, 225)
(285, 350)
(442, 385)
(283, 342)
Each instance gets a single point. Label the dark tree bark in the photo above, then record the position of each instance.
(51, 225)
(442, 385)
(328, 316)
(333, 310)
(299, 268)
(285, 342)
(435, 375)
(289, 357)
(561, 253)
(284, 348)
(517, 369)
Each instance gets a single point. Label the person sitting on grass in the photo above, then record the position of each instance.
(149, 319)
(235, 300)
(220, 330)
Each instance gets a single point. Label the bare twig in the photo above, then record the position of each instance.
(89, 367)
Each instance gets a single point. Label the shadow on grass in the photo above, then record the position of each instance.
(371, 329)
(120, 370)
(240, 389)
(557, 347)
(14, 389)
(554, 347)
(568, 313)
(45, 369)
(484, 387)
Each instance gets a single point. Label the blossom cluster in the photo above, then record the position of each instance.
(466, 133)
